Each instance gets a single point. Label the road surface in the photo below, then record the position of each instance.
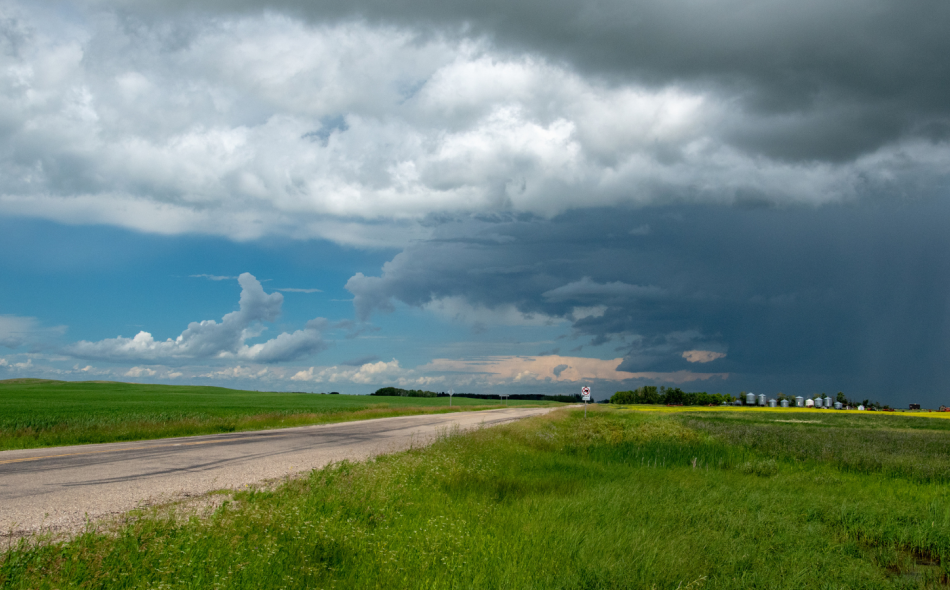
(58, 489)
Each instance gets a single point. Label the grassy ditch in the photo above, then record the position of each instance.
(36, 413)
(618, 500)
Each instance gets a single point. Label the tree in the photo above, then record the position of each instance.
(649, 394)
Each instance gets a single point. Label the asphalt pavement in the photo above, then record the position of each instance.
(60, 488)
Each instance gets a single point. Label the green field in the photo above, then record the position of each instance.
(36, 413)
(621, 499)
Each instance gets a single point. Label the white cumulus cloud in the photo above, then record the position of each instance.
(253, 125)
(367, 373)
(209, 339)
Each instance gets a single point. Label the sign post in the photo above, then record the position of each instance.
(451, 392)
(585, 395)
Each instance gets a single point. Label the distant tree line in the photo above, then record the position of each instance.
(395, 391)
(674, 396)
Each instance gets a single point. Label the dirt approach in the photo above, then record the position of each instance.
(59, 490)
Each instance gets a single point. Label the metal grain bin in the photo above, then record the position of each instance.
(818, 403)
(799, 401)
(829, 403)
(809, 403)
(761, 399)
(772, 403)
(784, 403)
(838, 405)
(750, 399)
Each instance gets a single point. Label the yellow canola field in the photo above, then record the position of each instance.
(649, 408)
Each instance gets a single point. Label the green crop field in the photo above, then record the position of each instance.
(622, 499)
(36, 413)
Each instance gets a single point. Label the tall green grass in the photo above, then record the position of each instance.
(617, 500)
(917, 448)
(36, 413)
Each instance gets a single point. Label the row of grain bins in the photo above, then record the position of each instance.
(752, 399)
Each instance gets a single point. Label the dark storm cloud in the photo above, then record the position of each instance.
(812, 80)
(841, 297)
(248, 120)
(515, 141)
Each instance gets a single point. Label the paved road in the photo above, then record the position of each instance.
(58, 488)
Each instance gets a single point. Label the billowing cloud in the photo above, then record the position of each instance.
(799, 297)
(594, 311)
(238, 372)
(816, 72)
(702, 356)
(586, 289)
(368, 373)
(327, 122)
(495, 371)
(287, 346)
(209, 339)
(526, 369)
(140, 372)
(656, 185)
(457, 308)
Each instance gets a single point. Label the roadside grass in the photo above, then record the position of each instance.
(37, 413)
(618, 500)
(757, 413)
(916, 448)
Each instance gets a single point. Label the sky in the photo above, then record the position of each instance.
(517, 196)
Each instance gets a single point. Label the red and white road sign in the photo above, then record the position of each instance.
(585, 393)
